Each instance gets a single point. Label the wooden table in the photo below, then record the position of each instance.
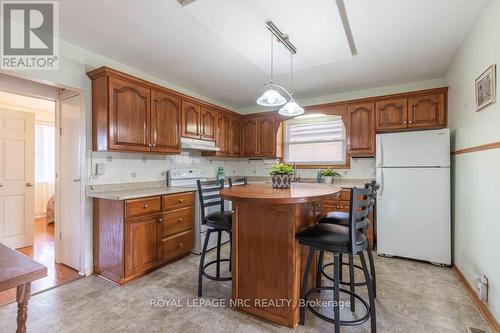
(267, 259)
(18, 270)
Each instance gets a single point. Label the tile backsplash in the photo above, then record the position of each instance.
(131, 168)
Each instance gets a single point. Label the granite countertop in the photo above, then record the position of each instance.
(150, 189)
(342, 182)
(133, 190)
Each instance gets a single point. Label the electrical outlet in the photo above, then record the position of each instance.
(100, 169)
(481, 287)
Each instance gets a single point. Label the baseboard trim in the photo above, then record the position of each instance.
(483, 309)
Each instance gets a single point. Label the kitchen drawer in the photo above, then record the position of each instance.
(142, 206)
(177, 245)
(176, 201)
(335, 206)
(177, 221)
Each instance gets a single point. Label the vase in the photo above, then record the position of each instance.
(328, 179)
(282, 181)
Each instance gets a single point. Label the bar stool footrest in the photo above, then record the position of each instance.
(344, 283)
(355, 322)
(214, 278)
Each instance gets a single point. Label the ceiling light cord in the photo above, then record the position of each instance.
(291, 74)
(272, 57)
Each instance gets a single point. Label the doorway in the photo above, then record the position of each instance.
(40, 189)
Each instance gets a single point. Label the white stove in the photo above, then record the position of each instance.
(189, 178)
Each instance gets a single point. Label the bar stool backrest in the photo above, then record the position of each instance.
(209, 194)
(361, 205)
(237, 181)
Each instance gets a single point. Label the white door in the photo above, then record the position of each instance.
(69, 188)
(413, 213)
(414, 149)
(17, 173)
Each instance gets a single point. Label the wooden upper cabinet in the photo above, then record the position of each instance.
(208, 123)
(165, 122)
(427, 111)
(222, 132)
(129, 116)
(391, 114)
(266, 136)
(250, 143)
(234, 134)
(361, 129)
(191, 120)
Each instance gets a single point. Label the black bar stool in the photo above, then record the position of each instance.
(219, 221)
(237, 181)
(342, 218)
(340, 239)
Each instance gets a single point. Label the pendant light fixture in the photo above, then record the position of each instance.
(271, 96)
(291, 108)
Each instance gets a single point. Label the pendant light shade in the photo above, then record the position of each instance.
(271, 97)
(291, 109)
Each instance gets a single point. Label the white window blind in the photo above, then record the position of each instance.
(318, 140)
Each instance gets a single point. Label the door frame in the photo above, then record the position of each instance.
(63, 90)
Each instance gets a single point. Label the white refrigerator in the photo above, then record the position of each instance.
(413, 203)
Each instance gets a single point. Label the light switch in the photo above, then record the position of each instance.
(100, 168)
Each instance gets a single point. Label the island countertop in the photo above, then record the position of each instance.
(264, 193)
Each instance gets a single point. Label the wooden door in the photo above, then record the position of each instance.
(17, 178)
(129, 116)
(266, 136)
(141, 244)
(234, 134)
(250, 143)
(222, 132)
(190, 120)
(165, 122)
(361, 129)
(69, 188)
(391, 114)
(208, 121)
(427, 111)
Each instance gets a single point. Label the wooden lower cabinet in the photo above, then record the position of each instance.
(133, 237)
(343, 204)
(141, 244)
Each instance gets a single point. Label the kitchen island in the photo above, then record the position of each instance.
(267, 259)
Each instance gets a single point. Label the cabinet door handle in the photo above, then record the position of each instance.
(29, 184)
(181, 201)
(179, 221)
(160, 221)
(404, 122)
(146, 206)
(179, 245)
(411, 121)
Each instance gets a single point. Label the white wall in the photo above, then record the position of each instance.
(356, 94)
(476, 177)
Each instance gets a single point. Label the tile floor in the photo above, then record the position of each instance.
(43, 252)
(412, 297)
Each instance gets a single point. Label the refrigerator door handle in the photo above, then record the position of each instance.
(379, 152)
(380, 181)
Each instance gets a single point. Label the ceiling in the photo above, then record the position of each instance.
(26, 103)
(220, 48)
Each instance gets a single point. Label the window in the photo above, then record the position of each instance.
(318, 140)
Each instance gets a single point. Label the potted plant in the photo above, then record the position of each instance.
(329, 174)
(282, 175)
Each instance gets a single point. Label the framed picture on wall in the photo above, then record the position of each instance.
(486, 88)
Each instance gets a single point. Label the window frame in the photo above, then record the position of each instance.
(327, 109)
